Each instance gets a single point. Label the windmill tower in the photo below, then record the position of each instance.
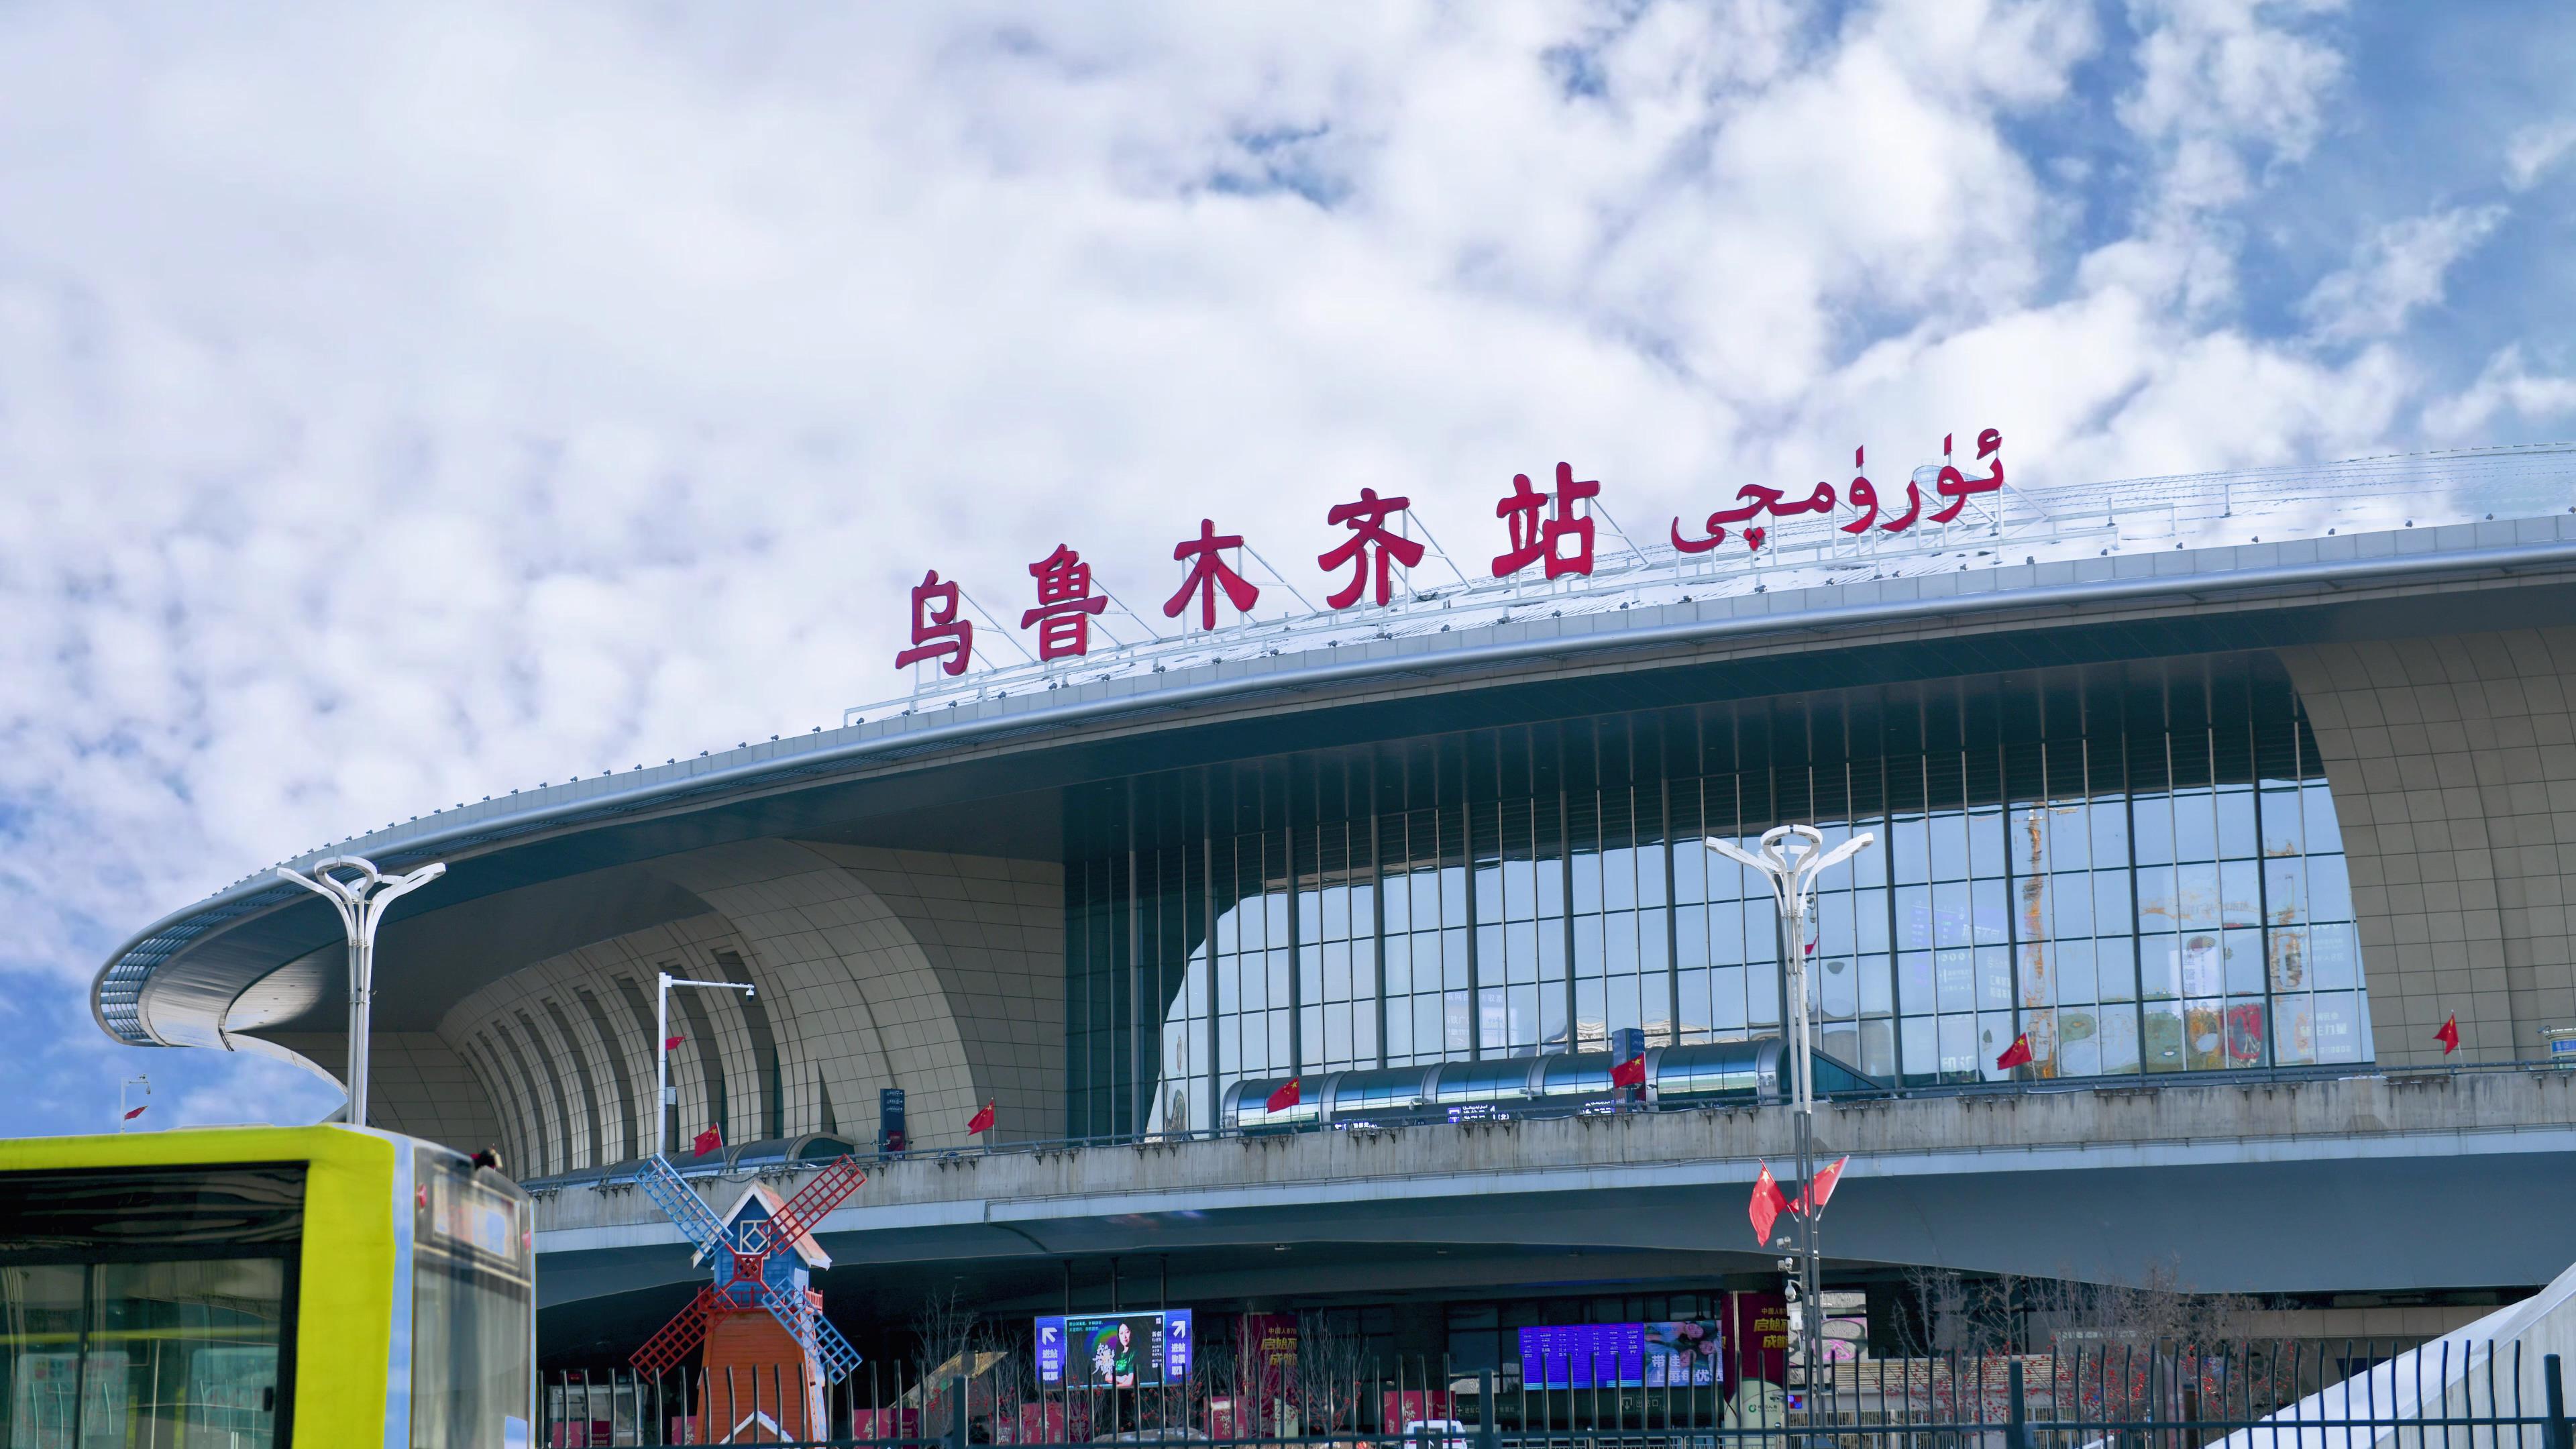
(759, 1317)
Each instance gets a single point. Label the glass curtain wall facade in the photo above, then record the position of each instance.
(2138, 866)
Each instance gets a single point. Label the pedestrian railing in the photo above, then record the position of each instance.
(2276, 1394)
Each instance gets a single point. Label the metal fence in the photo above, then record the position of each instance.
(2278, 1394)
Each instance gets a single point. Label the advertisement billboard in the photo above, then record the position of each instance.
(1685, 1353)
(1584, 1355)
(1662, 1354)
(1146, 1350)
(1762, 1336)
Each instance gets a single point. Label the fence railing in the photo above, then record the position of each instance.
(2272, 1394)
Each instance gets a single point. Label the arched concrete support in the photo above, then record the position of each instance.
(939, 974)
(2453, 766)
(418, 1083)
(592, 1008)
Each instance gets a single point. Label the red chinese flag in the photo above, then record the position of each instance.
(1286, 1097)
(2016, 1055)
(2449, 1035)
(672, 1043)
(1630, 1073)
(137, 1112)
(981, 1121)
(1823, 1187)
(1768, 1203)
(707, 1141)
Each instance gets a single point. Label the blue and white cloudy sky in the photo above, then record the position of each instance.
(400, 404)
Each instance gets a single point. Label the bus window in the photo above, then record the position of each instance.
(174, 1354)
(146, 1308)
(473, 1310)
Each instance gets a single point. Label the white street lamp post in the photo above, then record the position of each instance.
(1791, 858)
(665, 1096)
(361, 900)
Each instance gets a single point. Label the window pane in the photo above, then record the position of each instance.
(2111, 903)
(2195, 827)
(2334, 954)
(1919, 1040)
(2294, 1041)
(2247, 1033)
(1876, 997)
(2110, 820)
(1618, 879)
(2342, 1027)
(2075, 971)
(2118, 1026)
(1650, 875)
(2285, 890)
(1914, 982)
(2152, 819)
(2240, 887)
(2237, 838)
(1986, 847)
(2282, 834)
(2196, 887)
(2115, 968)
(1949, 847)
(2071, 906)
(2160, 1036)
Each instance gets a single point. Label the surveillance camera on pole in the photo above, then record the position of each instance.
(360, 893)
(666, 1096)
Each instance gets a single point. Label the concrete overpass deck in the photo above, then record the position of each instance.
(2401, 1179)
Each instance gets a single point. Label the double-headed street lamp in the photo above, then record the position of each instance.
(665, 1096)
(360, 898)
(1791, 858)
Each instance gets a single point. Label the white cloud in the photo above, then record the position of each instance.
(2506, 386)
(2395, 270)
(2531, 151)
(257, 1090)
(2228, 87)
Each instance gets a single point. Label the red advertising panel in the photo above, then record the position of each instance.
(885, 1423)
(1269, 1354)
(1404, 1408)
(1762, 1336)
(1039, 1423)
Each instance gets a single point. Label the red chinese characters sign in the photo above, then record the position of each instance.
(1756, 501)
(1369, 541)
(1066, 605)
(1552, 531)
(1208, 574)
(1534, 538)
(937, 632)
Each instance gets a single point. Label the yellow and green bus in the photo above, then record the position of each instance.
(255, 1287)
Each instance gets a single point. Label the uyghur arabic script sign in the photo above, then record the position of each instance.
(1550, 531)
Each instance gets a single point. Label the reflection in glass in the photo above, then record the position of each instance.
(2134, 903)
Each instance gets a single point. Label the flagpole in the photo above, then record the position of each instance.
(663, 1097)
(1791, 858)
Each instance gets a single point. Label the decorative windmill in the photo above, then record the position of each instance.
(761, 1255)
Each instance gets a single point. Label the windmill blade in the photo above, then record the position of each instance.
(681, 1204)
(677, 1338)
(801, 1214)
(812, 1331)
